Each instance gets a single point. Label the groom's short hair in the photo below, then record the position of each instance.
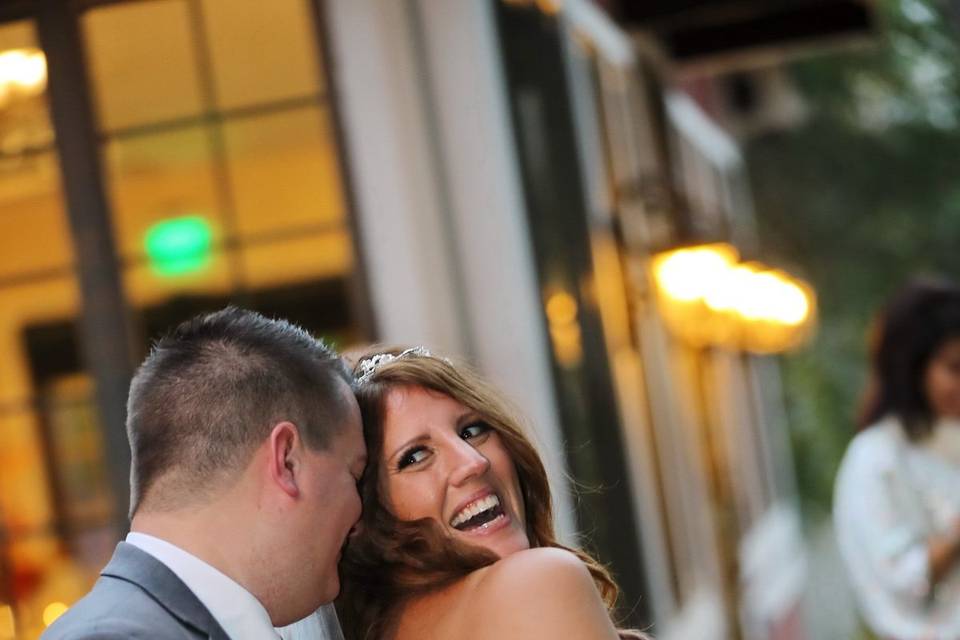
(209, 393)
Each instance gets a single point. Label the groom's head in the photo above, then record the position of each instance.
(209, 394)
(252, 418)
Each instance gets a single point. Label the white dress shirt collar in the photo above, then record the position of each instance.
(238, 612)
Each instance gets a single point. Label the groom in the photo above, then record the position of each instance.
(247, 447)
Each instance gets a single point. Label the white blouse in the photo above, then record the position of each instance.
(891, 494)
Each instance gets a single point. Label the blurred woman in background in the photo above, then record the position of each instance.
(897, 494)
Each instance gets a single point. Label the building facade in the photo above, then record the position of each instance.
(491, 179)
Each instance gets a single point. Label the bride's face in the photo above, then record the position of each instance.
(440, 460)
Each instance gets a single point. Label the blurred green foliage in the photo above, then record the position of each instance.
(860, 197)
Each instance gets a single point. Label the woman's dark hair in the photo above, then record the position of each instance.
(915, 323)
(390, 560)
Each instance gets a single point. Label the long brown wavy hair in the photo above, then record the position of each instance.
(391, 561)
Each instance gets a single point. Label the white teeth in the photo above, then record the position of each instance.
(475, 507)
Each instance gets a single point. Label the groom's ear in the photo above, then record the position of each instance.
(284, 461)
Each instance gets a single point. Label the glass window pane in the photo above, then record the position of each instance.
(73, 427)
(25, 499)
(271, 198)
(157, 177)
(52, 474)
(283, 171)
(33, 229)
(23, 305)
(52, 471)
(316, 257)
(261, 51)
(34, 234)
(145, 286)
(17, 35)
(25, 125)
(37, 285)
(142, 62)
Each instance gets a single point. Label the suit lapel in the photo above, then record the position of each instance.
(140, 568)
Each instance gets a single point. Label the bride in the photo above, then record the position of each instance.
(456, 539)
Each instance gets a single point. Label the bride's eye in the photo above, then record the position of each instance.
(412, 456)
(475, 430)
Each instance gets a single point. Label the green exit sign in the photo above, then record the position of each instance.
(179, 246)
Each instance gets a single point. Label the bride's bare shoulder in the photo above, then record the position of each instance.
(544, 592)
(534, 566)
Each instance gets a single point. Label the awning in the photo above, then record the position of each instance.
(695, 30)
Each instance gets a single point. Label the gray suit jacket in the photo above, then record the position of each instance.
(137, 596)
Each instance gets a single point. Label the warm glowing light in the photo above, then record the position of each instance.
(53, 611)
(561, 308)
(565, 335)
(730, 289)
(8, 630)
(24, 70)
(709, 298)
(690, 274)
(791, 304)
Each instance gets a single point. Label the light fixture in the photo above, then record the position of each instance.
(22, 72)
(708, 297)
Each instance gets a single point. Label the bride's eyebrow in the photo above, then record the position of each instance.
(466, 417)
(406, 445)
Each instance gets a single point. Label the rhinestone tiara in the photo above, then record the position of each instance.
(369, 366)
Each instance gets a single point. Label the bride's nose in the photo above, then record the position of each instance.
(467, 463)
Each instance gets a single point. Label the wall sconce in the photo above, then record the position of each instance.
(707, 297)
